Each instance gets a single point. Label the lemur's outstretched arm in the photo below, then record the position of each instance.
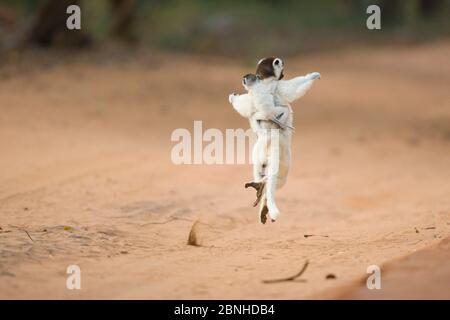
(242, 103)
(295, 88)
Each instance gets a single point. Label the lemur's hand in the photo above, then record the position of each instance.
(314, 75)
(231, 97)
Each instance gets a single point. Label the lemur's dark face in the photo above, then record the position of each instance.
(249, 80)
(270, 67)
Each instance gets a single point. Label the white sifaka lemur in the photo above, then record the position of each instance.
(271, 165)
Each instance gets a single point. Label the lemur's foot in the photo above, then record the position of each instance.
(274, 214)
(263, 214)
(259, 187)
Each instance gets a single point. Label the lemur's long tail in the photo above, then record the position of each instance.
(272, 173)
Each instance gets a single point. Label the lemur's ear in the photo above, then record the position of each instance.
(277, 62)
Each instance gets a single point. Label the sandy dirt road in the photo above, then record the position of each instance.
(86, 177)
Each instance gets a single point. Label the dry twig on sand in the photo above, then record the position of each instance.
(192, 239)
(22, 229)
(28, 235)
(314, 235)
(289, 278)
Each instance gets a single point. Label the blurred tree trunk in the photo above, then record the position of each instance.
(8, 17)
(123, 20)
(8, 22)
(429, 8)
(391, 11)
(49, 26)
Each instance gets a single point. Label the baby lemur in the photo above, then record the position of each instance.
(264, 106)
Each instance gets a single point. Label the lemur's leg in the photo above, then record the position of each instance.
(259, 180)
(270, 193)
(258, 171)
(259, 156)
(272, 174)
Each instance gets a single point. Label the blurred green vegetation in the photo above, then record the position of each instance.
(245, 27)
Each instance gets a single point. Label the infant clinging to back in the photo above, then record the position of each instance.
(264, 105)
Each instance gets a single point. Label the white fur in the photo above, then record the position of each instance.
(284, 92)
(263, 102)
